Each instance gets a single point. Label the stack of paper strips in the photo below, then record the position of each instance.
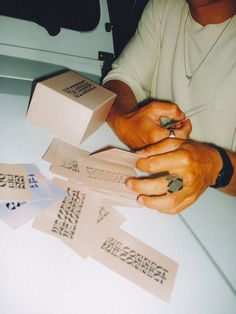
(84, 217)
(88, 223)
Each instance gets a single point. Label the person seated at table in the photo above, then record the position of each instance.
(182, 56)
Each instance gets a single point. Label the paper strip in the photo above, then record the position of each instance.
(94, 173)
(14, 183)
(137, 262)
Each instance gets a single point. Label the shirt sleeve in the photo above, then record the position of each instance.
(138, 60)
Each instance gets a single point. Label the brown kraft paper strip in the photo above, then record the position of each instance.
(14, 184)
(136, 261)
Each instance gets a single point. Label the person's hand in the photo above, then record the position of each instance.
(189, 164)
(143, 126)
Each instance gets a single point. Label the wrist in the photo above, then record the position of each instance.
(116, 121)
(226, 169)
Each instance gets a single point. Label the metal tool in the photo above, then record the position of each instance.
(169, 123)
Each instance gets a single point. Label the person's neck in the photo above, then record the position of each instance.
(214, 12)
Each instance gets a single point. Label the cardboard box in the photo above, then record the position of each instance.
(70, 106)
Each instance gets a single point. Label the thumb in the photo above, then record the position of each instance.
(185, 130)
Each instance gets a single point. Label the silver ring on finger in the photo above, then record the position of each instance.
(172, 133)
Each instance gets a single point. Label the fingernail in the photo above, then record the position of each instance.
(129, 184)
(140, 200)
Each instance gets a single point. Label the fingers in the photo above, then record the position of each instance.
(173, 162)
(164, 146)
(187, 165)
(184, 131)
(169, 110)
(157, 134)
(168, 204)
(142, 130)
(155, 195)
(148, 186)
(142, 127)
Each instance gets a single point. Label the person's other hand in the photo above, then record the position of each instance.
(143, 126)
(194, 164)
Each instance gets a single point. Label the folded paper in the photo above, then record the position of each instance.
(97, 174)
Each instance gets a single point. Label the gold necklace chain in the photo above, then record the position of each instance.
(190, 76)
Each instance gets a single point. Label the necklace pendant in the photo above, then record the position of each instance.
(189, 77)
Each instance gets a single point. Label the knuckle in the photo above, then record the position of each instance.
(189, 126)
(153, 137)
(183, 134)
(175, 108)
(151, 164)
(148, 201)
(146, 165)
(152, 103)
(141, 164)
(153, 106)
(173, 212)
(189, 178)
(134, 184)
(192, 198)
(172, 201)
(186, 158)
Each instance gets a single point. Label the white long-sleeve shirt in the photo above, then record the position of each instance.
(168, 45)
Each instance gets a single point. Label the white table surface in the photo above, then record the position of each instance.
(41, 275)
